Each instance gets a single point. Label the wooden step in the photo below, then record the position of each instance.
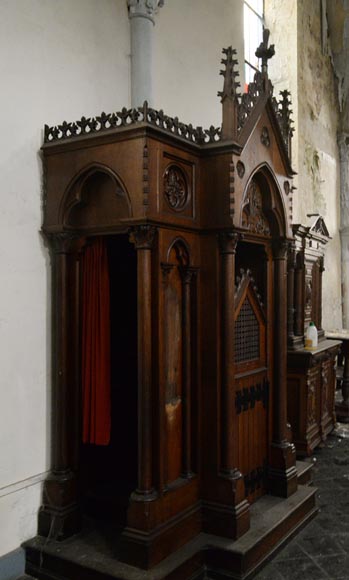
(305, 472)
(273, 521)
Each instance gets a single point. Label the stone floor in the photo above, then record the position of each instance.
(321, 549)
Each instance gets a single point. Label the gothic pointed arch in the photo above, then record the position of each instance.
(263, 209)
(180, 249)
(95, 197)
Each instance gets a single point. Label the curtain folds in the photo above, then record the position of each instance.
(96, 379)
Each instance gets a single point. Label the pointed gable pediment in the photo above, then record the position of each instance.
(242, 111)
(318, 226)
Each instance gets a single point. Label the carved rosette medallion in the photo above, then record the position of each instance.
(265, 139)
(287, 187)
(175, 188)
(253, 217)
(240, 167)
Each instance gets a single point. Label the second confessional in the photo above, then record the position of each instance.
(169, 256)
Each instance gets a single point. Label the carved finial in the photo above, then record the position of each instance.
(264, 52)
(230, 74)
(285, 120)
(229, 95)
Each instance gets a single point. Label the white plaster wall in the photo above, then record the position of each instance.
(189, 37)
(318, 116)
(301, 67)
(281, 20)
(60, 59)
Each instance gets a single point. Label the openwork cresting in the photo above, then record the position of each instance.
(127, 117)
(245, 104)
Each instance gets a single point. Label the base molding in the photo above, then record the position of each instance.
(273, 521)
(146, 549)
(229, 521)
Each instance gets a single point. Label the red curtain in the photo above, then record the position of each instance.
(96, 402)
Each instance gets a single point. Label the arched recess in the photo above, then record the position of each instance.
(95, 199)
(262, 209)
(179, 311)
(95, 204)
(262, 251)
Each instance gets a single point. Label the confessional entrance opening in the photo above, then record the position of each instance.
(253, 372)
(108, 472)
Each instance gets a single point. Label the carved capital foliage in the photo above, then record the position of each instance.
(291, 257)
(143, 236)
(166, 269)
(62, 242)
(144, 8)
(228, 242)
(280, 249)
(187, 273)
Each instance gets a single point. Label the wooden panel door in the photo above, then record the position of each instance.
(252, 388)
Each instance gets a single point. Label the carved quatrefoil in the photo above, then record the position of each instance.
(175, 188)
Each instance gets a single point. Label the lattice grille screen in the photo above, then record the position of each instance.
(246, 334)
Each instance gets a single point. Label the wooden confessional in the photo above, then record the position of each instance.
(311, 375)
(196, 224)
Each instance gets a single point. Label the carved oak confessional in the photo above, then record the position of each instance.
(311, 375)
(196, 225)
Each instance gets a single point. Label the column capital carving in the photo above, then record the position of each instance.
(62, 242)
(228, 242)
(187, 273)
(166, 270)
(144, 8)
(291, 256)
(280, 249)
(143, 236)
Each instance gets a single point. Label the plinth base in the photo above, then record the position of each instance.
(93, 554)
(342, 412)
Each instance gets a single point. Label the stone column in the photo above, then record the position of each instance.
(343, 144)
(141, 15)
